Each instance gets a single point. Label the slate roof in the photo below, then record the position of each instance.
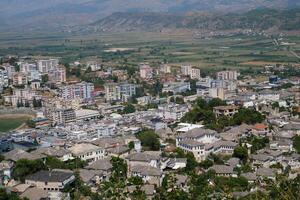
(222, 169)
(50, 176)
(265, 172)
(146, 170)
(18, 154)
(249, 176)
(197, 132)
(102, 164)
(144, 156)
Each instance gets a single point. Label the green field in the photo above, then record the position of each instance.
(237, 51)
(11, 124)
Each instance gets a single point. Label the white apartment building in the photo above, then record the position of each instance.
(118, 92)
(227, 75)
(27, 67)
(83, 91)
(188, 70)
(44, 66)
(58, 75)
(172, 111)
(4, 80)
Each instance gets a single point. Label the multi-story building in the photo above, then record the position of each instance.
(190, 71)
(62, 116)
(228, 111)
(166, 69)
(146, 72)
(53, 180)
(58, 75)
(83, 91)
(22, 97)
(176, 87)
(28, 67)
(201, 142)
(88, 152)
(118, 92)
(44, 66)
(172, 111)
(227, 75)
(4, 80)
(20, 79)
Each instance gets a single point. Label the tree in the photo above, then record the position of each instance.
(191, 162)
(129, 109)
(9, 196)
(296, 143)
(149, 140)
(45, 78)
(135, 180)
(26, 167)
(241, 153)
(131, 145)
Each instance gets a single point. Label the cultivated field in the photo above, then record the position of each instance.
(177, 48)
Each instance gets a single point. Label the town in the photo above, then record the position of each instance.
(84, 130)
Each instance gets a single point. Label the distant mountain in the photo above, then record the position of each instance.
(260, 19)
(58, 14)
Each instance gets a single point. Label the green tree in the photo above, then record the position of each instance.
(129, 109)
(131, 145)
(296, 143)
(149, 140)
(135, 180)
(25, 167)
(241, 153)
(45, 78)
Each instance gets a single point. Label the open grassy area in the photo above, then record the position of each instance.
(11, 123)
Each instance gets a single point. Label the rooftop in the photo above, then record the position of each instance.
(56, 175)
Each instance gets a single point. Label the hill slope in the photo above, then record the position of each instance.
(55, 14)
(256, 19)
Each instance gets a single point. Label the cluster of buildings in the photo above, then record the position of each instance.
(76, 120)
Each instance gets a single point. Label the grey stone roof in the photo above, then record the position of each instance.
(118, 150)
(222, 169)
(18, 154)
(50, 176)
(261, 157)
(53, 151)
(225, 143)
(87, 175)
(197, 132)
(233, 162)
(249, 176)
(103, 164)
(191, 143)
(34, 194)
(144, 156)
(146, 170)
(293, 127)
(265, 172)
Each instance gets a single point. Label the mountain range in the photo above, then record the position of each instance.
(58, 14)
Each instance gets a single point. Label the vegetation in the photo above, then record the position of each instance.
(4, 195)
(203, 111)
(25, 167)
(296, 143)
(149, 140)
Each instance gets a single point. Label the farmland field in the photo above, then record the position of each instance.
(177, 48)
